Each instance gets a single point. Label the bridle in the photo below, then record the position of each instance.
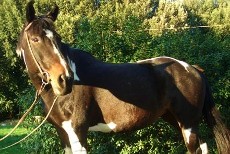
(45, 75)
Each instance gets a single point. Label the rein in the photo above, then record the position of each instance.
(23, 117)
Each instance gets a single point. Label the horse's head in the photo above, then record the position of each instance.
(42, 50)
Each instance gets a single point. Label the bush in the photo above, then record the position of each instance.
(12, 80)
(45, 139)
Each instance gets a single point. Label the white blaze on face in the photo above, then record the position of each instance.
(76, 146)
(50, 35)
(105, 128)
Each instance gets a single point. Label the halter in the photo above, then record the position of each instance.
(43, 73)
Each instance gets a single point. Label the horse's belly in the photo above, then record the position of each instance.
(126, 120)
(121, 116)
(132, 120)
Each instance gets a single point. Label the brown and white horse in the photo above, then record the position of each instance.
(106, 97)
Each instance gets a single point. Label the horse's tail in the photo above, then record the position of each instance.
(213, 118)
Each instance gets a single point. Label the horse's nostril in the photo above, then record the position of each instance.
(61, 79)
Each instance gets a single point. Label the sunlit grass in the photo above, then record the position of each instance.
(6, 127)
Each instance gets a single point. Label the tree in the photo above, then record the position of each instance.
(12, 79)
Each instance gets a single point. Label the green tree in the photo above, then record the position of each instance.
(12, 79)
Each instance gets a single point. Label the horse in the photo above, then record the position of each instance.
(114, 97)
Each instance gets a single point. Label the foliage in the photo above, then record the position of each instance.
(44, 140)
(140, 141)
(126, 31)
(12, 80)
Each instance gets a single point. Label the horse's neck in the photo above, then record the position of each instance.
(90, 70)
(46, 94)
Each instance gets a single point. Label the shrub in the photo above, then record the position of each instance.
(45, 139)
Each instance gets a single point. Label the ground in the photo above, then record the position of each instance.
(6, 127)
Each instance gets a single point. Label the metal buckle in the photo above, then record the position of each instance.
(46, 78)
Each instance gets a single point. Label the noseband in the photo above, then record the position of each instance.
(45, 75)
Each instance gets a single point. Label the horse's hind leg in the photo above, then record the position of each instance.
(192, 141)
(190, 135)
(188, 119)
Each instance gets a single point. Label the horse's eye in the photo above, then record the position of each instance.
(35, 39)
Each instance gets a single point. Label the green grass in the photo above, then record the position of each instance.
(20, 132)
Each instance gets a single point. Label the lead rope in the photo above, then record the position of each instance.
(38, 92)
(35, 128)
(23, 117)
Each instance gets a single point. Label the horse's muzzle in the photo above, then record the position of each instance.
(63, 85)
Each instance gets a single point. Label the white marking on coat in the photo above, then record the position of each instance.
(19, 52)
(74, 69)
(147, 60)
(50, 35)
(184, 64)
(68, 150)
(76, 146)
(24, 58)
(204, 148)
(187, 133)
(105, 128)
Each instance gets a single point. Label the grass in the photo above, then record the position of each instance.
(20, 132)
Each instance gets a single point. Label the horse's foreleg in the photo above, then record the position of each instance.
(64, 140)
(77, 139)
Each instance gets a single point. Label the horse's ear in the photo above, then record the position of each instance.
(30, 12)
(53, 13)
